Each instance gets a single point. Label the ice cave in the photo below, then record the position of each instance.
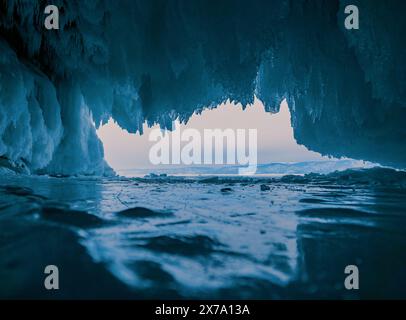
(78, 95)
(156, 61)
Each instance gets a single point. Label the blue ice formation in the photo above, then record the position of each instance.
(157, 60)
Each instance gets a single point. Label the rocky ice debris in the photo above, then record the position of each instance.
(264, 187)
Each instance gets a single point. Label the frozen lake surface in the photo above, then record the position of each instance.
(204, 237)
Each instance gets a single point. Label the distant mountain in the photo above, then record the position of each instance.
(312, 167)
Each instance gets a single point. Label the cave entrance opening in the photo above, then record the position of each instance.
(130, 154)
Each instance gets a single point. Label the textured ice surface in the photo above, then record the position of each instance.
(159, 60)
(210, 237)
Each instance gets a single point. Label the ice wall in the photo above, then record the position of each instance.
(162, 59)
(30, 120)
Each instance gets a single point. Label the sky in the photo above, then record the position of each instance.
(274, 131)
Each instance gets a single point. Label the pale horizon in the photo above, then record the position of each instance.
(276, 143)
